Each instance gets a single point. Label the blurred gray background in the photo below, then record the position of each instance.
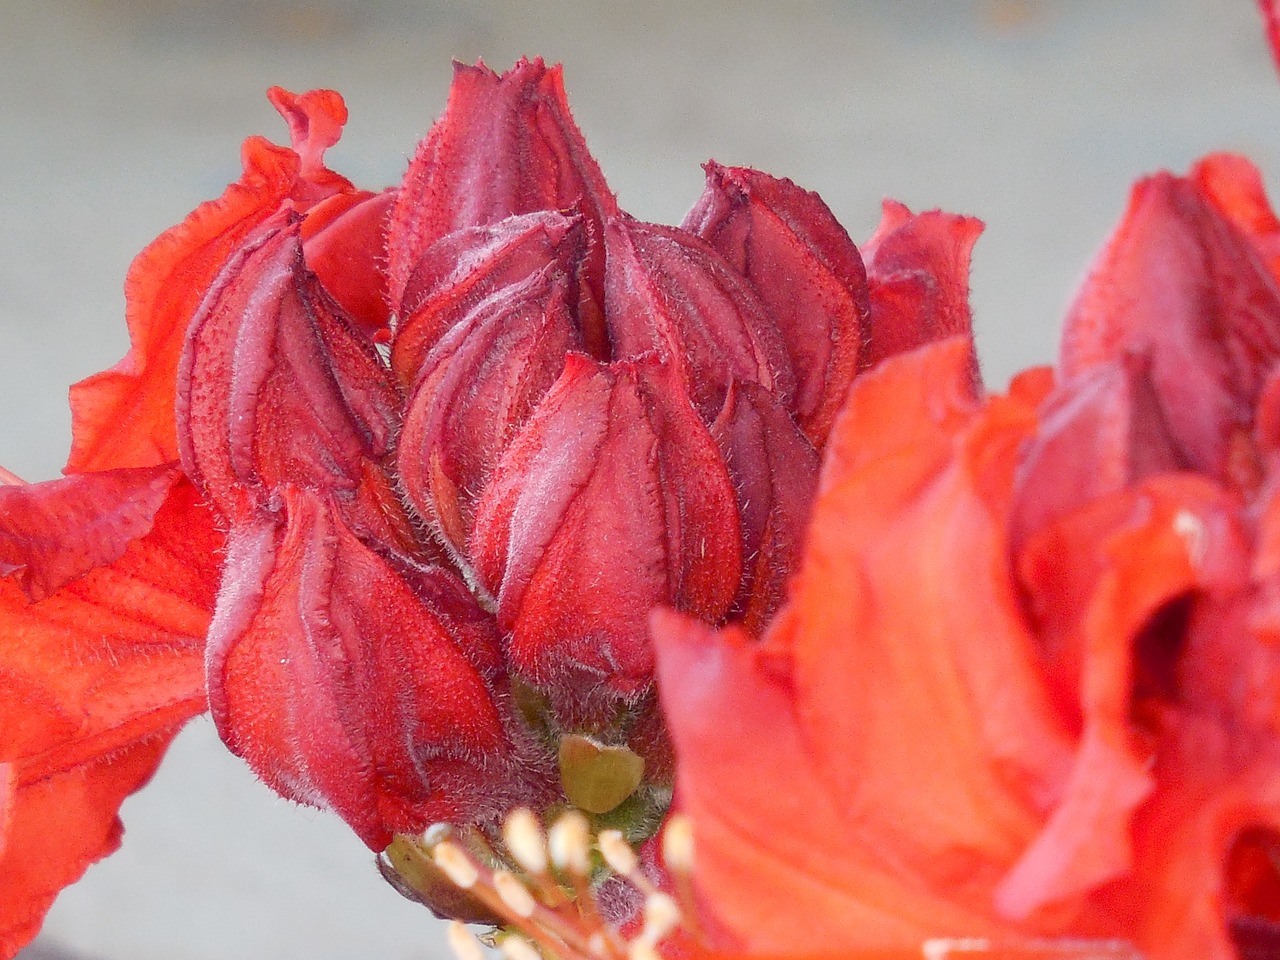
(118, 116)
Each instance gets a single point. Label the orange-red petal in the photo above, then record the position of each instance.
(52, 533)
(916, 741)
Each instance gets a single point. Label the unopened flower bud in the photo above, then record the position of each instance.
(614, 472)
(801, 263)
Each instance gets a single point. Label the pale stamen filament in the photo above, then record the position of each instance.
(541, 918)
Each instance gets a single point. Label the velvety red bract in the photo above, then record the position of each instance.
(918, 280)
(98, 674)
(471, 265)
(497, 298)
(668, 294)
(802, 264)
(774, 470)
(476, 389)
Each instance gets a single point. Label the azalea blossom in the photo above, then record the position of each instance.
(426, 494)
(1025, 684)
(391, 481)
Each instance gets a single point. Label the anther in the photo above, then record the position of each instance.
(570, 843)
(677, 844)
(516, 947)
(455, 863)
(463, 942)
(523, 835)
(617, 853)
(514, 894)
(661, 916)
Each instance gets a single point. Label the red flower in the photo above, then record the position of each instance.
(1026, 684)
(400, 476)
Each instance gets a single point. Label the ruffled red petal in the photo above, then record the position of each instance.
(52, 533)
(97, 678)
(123, 417)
